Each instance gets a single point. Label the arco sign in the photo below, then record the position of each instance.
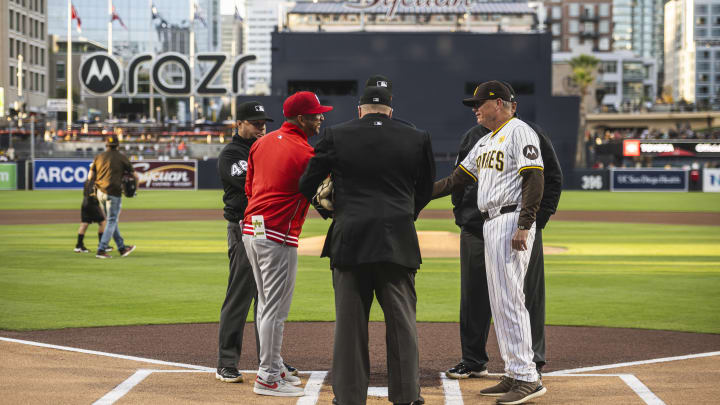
(101, 74)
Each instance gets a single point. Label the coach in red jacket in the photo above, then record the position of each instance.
(273, 220)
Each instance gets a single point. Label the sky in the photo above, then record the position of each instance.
(228, 6)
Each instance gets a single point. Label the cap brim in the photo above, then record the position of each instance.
(470, 102)
(320, 109)
(257, 117)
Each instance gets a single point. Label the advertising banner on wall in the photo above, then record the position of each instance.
(588, 180)
(163, 175)
(648, 180)
(711, 180)
(8, 176)
(59, 174)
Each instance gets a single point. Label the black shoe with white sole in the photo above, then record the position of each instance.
(229, 375)
(462, 371)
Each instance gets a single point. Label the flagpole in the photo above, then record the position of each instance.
(68, 78)
(233, 52)
(192, 62)
(152, 96)
(110, 52)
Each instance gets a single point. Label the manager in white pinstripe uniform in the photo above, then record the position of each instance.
(508, 167)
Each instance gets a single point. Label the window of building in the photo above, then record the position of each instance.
(589, 28)
(716, 9)
(703, 66)
(36, 79)
(716, 32)
(24, 20)
(42, 57)
(703, 77)
(604, 26)
(42, 30)
(42, 81)
(604, 44)
(37, 31)
(703, 89)
(704, 54)
(557, 13)
(17, 22)
(556, 29)
(12, 19)
(60, 71)
(701, 9)
(700, 32)
(608, 66)
(30, 56)
(573, 42)
(574, 9)
(610, 87)
(18, 47)
(12, 48)
(556, 45)
(588, 10)
(604, 10)
(12, 76)
(25, 78)
(36, 55)
(701, 21)
(42, 6)
(573, 26)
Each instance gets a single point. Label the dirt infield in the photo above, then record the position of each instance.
(72, 377)
(19, 217)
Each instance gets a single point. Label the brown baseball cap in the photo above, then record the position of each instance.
(488, 91)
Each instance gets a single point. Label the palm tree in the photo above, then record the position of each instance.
(583, 67)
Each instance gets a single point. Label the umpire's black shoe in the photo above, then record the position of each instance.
(229, 375)
(420, 401)
(462, 371)
(291, 370)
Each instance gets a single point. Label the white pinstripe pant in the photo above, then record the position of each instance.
(505, 269)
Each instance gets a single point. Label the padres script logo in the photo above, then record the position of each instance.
(394, 5)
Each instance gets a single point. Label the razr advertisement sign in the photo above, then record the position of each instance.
(165, 175)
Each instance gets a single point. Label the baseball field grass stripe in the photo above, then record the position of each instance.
(124, 387)
(617, 275)
(212, 199)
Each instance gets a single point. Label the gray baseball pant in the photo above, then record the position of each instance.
(274, 267)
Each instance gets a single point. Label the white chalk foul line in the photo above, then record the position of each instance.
(632, 363)
(451, 389)
(124, 387)
(105, 354)
(312, 388)
(633, 382)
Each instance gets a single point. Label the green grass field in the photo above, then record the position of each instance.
(621, 275)
(212, 199)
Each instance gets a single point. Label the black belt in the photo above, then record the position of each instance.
(504, 210)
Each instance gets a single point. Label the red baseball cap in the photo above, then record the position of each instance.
(303, 102)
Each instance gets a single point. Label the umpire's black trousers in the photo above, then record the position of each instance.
(241, 291)
(475, 313)
(394, 287)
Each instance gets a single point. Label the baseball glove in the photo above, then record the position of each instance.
(323, 198)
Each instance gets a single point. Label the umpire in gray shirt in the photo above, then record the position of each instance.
(383, 175)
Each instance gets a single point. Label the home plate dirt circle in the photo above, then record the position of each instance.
(432, 244)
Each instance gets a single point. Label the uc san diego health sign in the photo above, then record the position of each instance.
(101, 74)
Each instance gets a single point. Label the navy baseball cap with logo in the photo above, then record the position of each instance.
(376, 95)
(379, 81)
(488, 91)
(252, 111)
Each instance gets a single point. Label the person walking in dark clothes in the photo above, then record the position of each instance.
(382, 172)
(474, 302)
(107, 171)
(241, 289)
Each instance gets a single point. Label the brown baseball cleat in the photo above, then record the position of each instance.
(506, 383)
(521, 392)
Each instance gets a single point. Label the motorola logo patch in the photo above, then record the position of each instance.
(531, 152)
(101, 74)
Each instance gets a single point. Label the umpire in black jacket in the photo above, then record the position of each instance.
(241, 289)
(383, 174)
(474, 302)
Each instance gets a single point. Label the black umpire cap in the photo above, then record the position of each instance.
(376, 95)
(488, 91)
(252, 111)
(379, 81)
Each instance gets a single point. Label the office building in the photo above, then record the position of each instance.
(576, 24)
